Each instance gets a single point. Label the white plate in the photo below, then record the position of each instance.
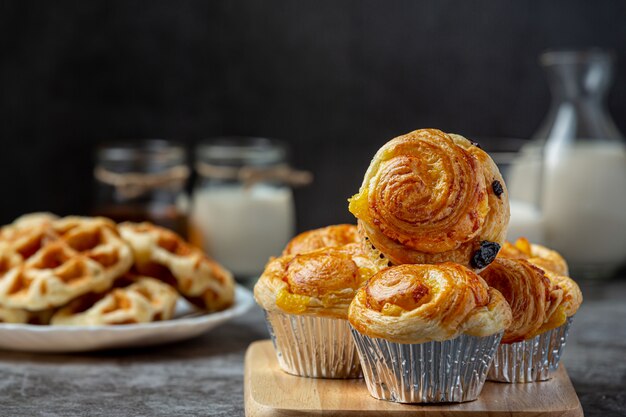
(185, 325)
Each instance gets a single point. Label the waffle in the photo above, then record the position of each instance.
(47, 262)
(27, 221)
(21, 316)
(162, 254)
(144, 300)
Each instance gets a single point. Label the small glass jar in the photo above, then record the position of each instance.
(142, 180)
(242, 205)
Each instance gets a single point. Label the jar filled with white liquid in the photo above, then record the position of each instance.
(242, 205)
(583, 168)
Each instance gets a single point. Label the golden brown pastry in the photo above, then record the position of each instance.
(431, 197)
(422, 303)
(540, 300)
(141, 300)
(320, 283)
(21, 316)
(45, 263)
(162, 254)
(325, 237)
(541, 256)
(27, 221)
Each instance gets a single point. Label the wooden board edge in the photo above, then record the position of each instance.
(255, 409)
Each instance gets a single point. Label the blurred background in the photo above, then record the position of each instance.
(335, 79)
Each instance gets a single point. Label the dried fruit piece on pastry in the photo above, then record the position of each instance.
(540, 300)
(319, 283)
(162, 254)
(48, 263)
(324, 237)
(415, 303)
(143, 300)
(432, 197)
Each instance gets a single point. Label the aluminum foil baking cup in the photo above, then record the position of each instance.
(316, 347)
(433, 372)
(530, 360)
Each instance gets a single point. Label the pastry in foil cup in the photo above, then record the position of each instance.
(316, 347)
(432, 372)
(530, 360)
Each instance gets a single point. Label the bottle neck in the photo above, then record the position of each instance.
(578, 76)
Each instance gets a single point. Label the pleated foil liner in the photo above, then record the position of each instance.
(316, 347)
(530, 360)
(433, 372)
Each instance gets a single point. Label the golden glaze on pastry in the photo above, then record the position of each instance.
(45, 263)
(540, 300)
(325, 237)
(555, 268)
(430, 197)
(541, 256)
(421, 303)
(162, 254)
(319, 283)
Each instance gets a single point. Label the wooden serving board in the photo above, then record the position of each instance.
(268, 391)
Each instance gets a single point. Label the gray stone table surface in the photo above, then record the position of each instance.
(204, 376)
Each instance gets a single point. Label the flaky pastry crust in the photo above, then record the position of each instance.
(539, 255)
(431, 197)
(320, 283)
(540, 300)
(420, 303)
(325, 237)
(553, 265)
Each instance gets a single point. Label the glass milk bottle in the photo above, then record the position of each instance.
(242, 207)
(584, 165)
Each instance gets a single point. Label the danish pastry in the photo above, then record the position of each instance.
(541, 256)
(325, 237)
(320, 283)
(46, 263)
(540, 300)
(432, 197)
(423, 303)
(162, 254)
(144, 300)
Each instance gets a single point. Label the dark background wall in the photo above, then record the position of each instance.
(335, 78)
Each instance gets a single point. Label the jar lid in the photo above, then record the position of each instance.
(242, 151)
(141, 155)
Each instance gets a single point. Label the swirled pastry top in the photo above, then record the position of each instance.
(162, 254)
(319, 283)
(430, 197)
(541, 256)
(46, 262)
(421, 303)
(325, 237)
(540, 300)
